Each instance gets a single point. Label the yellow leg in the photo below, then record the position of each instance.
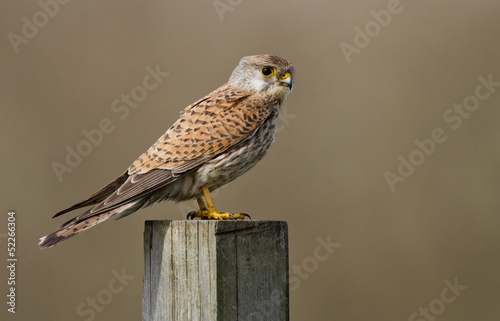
(209, 212)
(210, 203)
(201, 204)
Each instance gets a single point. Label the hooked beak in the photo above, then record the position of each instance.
(286, 79)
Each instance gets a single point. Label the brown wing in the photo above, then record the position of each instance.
(208, 127)
(97, 196)
(205, 129)
(132, 190)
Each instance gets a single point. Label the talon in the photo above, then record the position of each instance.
(214, 215)
(245, 215)
(208, 211)
(239, 216)
(191, 215)
(201, 214)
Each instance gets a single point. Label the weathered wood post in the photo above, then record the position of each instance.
(215, 270)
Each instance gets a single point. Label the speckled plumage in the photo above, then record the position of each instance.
(215, 140)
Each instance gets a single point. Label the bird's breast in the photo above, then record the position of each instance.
(238, 159)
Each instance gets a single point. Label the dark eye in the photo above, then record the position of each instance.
(268, 71)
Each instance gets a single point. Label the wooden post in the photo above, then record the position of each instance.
(215, 270)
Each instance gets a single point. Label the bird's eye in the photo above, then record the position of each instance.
(268, 71)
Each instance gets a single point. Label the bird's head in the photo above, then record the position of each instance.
(264, 73)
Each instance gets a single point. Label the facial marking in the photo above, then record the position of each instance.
(257, 83)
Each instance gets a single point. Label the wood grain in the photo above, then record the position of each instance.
(215, 270)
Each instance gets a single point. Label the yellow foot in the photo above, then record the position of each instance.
(208, 211)
(214, 215)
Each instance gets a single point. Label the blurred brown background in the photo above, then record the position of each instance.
(342, 129)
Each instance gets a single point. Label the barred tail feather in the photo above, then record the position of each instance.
(75, 226)
(72, 229)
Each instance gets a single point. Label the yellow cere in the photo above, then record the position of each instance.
(285, 75)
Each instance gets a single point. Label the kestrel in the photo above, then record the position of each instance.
(215, 140)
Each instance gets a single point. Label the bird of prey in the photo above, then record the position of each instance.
(215, 140)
